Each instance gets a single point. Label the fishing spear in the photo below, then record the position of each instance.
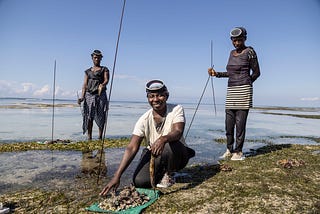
(213, 96)
(111, 84)
(53, 98)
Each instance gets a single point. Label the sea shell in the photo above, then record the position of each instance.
(289, 163)
(225, 167)
(127, 198)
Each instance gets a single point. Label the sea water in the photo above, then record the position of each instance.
(28, 120)
(35, 120)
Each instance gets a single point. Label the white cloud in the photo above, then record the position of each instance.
(27, 89)
(42, 91)
(10, 88)
(310, 98)
(4, 86)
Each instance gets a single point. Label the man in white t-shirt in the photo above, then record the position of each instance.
(162, 128)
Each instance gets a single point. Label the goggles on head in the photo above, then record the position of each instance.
(155, 86)
(238, 32)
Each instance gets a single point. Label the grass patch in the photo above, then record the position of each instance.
(82, 193)
(78, 146)
(315, 139)
(223, 140)
(307, 116)
(308, 109)
(256, 185)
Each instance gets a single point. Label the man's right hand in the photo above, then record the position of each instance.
(112, 185)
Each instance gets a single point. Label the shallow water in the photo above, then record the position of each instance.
(34, 123)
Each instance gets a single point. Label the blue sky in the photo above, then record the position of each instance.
(168, 40)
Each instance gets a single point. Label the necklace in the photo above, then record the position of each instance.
(159, 124)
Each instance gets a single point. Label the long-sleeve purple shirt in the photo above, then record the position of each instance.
(239, 66)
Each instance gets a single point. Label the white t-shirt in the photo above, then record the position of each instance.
(146, 126)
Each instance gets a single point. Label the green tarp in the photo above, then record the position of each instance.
(153, 195)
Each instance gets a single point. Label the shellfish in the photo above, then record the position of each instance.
(289, 163)
(127, 198)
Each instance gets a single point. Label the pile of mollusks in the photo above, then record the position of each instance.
(225, 167)
(289, 163)
(127, 198)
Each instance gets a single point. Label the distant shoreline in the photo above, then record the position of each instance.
(258, 107)
(311, 109)
(32, 105)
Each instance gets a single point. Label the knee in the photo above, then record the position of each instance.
(141, 182)
(167, 150)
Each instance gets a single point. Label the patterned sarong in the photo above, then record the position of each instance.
(94, 108)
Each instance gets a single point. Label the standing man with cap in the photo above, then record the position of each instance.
(94, 95)
(162, 129)
(240, 89)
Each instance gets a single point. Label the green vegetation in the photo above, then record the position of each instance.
(315, 139)
(259, 184)
(256, 185)
(77, 146)
(295, 115)
(308, 109)
(266, 110)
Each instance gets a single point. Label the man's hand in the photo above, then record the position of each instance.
(112, 185)
(158, 146)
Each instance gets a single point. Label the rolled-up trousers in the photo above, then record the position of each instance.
(236, 119)
(174, 157)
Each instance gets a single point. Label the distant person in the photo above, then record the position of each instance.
(239, 93)
(162, 129)
(94, 95)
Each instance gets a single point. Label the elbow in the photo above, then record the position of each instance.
(258, 74)
(179, 135)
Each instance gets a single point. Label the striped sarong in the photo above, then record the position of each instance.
(239, 97)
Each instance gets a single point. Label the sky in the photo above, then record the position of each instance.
(168, 40)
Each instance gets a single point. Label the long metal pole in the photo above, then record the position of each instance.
(204, 89)
(213, 96)
(53, 98)
(117, 45)
(53, 104)
(111, 84)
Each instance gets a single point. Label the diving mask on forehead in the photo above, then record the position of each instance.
(238, 32)
(156, 86)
